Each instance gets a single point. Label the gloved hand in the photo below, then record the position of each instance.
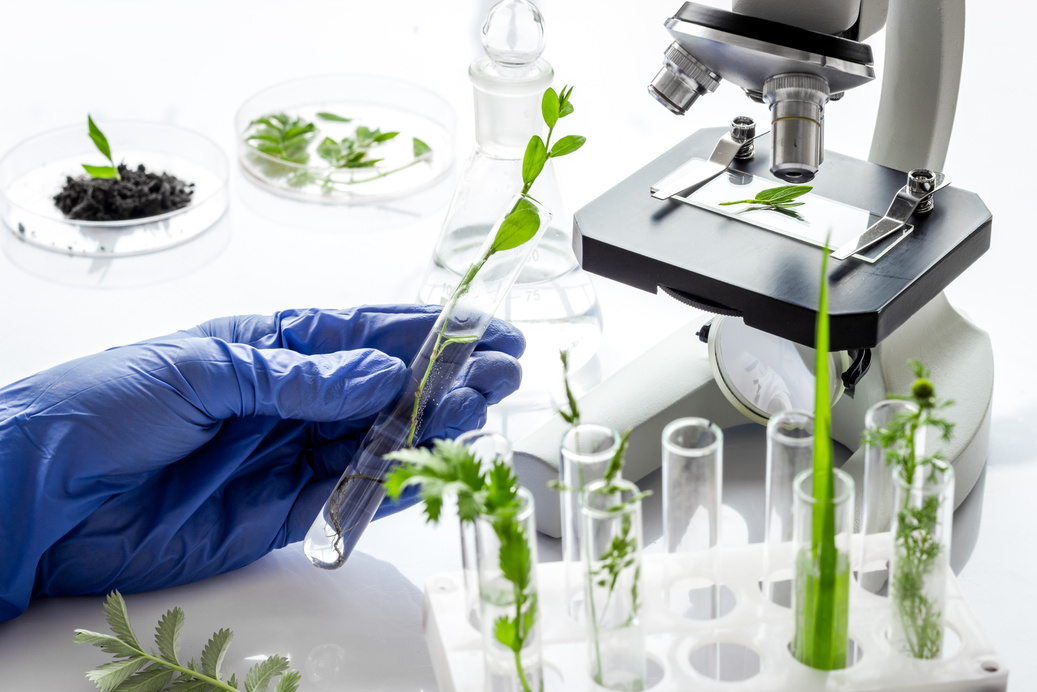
(193, 454)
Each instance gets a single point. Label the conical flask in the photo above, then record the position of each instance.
(553, 301)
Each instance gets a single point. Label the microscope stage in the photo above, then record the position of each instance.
(768, 278)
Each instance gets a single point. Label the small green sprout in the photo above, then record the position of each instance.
(101, 142)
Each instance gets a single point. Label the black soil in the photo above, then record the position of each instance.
(138, 195)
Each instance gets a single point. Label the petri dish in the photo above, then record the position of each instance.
(34, 171)
(370, 101)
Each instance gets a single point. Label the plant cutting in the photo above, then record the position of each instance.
(821, 593)
(923, 504)
(446, 349)
(288, 138)
(520, 224)
(136, 669)
(780, 199)
(502, 513)
(611, 510)
(116, 192)
(587, 452)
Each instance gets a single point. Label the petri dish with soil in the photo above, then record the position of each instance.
(173, 188)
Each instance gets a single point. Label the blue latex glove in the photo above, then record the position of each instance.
(174, 459)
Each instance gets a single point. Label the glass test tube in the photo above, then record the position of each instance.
(877, 514)
(821, 585)
(790, 450)
(487, 448)
(612, 539)
(693, 457)
(461, 324)
(587, 449)
(505, 599)
(921, 554)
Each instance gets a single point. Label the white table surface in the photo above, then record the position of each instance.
(192, 63)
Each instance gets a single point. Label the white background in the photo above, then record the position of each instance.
(192, 63)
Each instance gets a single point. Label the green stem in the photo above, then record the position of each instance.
(329, 181)
(193, 673)
(437, 349)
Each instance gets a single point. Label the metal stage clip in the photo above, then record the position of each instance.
(696, 172)
(916, 195)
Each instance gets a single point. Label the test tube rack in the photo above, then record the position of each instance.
(970, 662)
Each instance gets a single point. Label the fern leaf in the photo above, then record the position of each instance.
(214, 652)
(152, 679)
(119, 620)
(260, 675)
(110, 675)
(107, 643)
(167, 635)
(289, 682)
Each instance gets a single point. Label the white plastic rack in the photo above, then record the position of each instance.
(969, 663)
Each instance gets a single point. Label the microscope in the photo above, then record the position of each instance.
(899, 234)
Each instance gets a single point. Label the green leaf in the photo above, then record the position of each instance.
(567, 145)
(518, 227)
(107, 643)
(505, 630)
(565, 105)
(549, 107)
(167, 635)
(616, 463)
(501, 488)
(385, 136)
(101, 171)
(433, 508)
(516, 559)
(110, 675)
(329, 150)
(420, 148)
(153, 679)
(468, 506)
(784, 193)
(289, 682)
(534, 159)
(100, 141)
(298, 129)
(214, 652)
(324, 115)
(260, 675)
(119, 620)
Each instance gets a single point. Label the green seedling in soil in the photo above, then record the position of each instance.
(138, 670)
(450, 468)
(101, 142)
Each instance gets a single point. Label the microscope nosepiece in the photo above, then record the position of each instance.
(797, 105)
(682, 80)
